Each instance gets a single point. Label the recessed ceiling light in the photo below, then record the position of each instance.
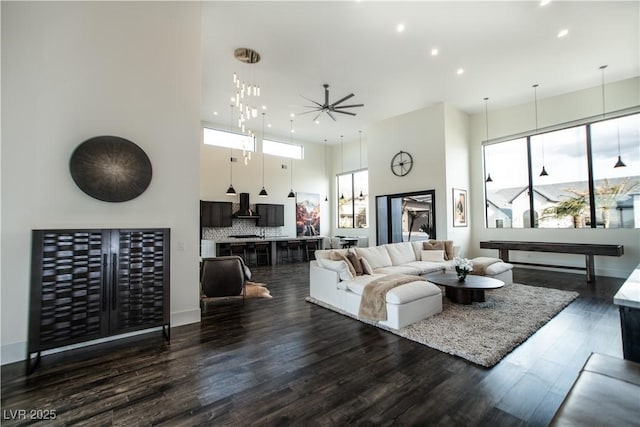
(317, 122)
(292, 115)
(215, 113)
(293, 131)
(460, 71)
(400, 28)
(264, 107)
(544, 2)
(232, 99)
(268, 125)
(563, 33)
(434, 51)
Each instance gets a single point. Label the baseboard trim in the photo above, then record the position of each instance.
(17, 352)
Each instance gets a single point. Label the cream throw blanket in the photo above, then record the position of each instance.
(480, 265)
(373, 304)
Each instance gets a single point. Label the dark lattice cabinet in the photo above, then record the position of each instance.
(90, 284)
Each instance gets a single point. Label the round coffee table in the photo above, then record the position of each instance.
(471, 290)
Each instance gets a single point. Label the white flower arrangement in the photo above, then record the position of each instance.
(463, 266)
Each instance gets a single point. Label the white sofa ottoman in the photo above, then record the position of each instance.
(406, 304)
(498, 270)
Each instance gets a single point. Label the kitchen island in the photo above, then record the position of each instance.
(212, 248)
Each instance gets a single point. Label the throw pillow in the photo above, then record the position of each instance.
(433, 255)
(337, 256)
(366, 268)
(355, 262)
(447, 245)
(339, 267)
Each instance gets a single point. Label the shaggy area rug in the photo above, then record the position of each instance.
(484, 333)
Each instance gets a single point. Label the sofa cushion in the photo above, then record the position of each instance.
(376, 256)
(425, 267)
(399, 295)
(400, 253)
(447, 245)
(339, 267)
(326, 253)
(336, 256)
(497, 268)
(398, 269)
(433, 255)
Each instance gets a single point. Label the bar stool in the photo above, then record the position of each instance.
(262, 252)
(295, 246)
(310, 248)
(239, 249)
(224, 249)
(250, 249)
(283, 252)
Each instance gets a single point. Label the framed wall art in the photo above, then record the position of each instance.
(460, 208)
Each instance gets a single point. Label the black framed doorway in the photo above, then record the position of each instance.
(404, 216)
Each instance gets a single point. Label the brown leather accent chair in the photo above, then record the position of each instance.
(223, 276)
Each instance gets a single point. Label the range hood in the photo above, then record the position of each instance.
(245, 212)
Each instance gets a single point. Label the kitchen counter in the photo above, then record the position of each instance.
(628, 301)
(212, 247)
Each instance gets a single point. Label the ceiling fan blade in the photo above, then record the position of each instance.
(342, 100)
(350, 106)
(316, 117)
(310, 111)
(311, 100)
(330, 115)
(344, 112)
(326, 94)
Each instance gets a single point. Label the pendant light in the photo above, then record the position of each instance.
(291, 194)
(263, 192)
(342, 161)
(486, 123)
(231, 191)
(361, 196)
(619, 163)
(326, 197)
(535, 100)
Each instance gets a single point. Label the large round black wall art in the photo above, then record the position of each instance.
(110, 168)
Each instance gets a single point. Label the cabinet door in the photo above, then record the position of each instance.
(205, 214)
(278, 220)
(140, 273)
(68, 287)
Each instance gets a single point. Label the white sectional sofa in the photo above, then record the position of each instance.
(406, 304)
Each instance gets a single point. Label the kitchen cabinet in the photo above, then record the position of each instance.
(215, 214)
(271, 215)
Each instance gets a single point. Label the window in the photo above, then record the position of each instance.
(227, 139)
(617, 190)
(353, 200)
(581, 188)
(282, 149)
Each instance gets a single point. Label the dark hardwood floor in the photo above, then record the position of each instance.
(287, 362)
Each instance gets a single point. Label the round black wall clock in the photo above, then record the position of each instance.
(401, 163)
(110, 168)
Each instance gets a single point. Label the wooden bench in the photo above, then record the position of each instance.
(589, 250)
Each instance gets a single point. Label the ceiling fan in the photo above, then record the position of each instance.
(330, 108)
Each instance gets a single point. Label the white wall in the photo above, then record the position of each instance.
(437, 139)
(76, 70)
(457, 173)
(309, 176)
(552, 111)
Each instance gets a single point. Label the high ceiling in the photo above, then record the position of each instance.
(354, 46)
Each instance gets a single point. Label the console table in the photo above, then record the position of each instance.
(589, 250)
